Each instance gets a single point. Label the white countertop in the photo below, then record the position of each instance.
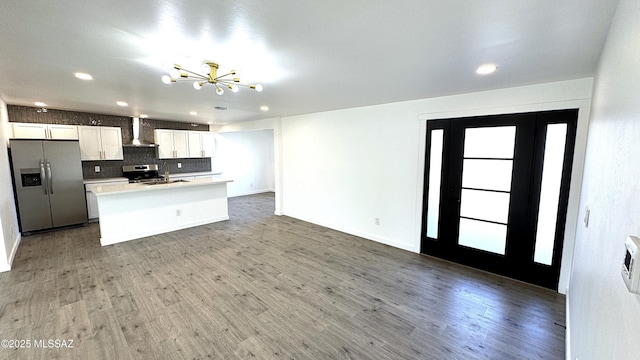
(103, 180)
(124, 179)
(138, 187)
(205, 173)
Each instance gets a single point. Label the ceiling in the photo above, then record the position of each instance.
(310, 56)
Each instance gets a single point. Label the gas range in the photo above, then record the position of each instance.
(141, 173)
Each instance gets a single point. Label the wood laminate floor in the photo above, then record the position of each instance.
(261, 286)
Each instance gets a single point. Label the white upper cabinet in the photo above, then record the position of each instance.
(201, 144)
(172, 144)
(181, 143)
(100, 143)
(164, 139)
(44, 131)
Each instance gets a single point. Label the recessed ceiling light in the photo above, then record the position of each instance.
(264, 108)
(83, 76)
(143, 116)
(122, 103)
(193, 113)
(40, 103)
(486, 69)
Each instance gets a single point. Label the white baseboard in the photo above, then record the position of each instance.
(358, 233)
(567, 336)
(7, 266)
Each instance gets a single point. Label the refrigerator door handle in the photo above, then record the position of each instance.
(43, 177)
(50, 177)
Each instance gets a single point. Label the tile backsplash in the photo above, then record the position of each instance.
(132, 155)
(137, 156)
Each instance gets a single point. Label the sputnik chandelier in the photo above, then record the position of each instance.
(209, 75)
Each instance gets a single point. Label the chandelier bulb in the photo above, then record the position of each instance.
(197, 85)
(166, 79)
(205, 68)
(174, 73)
(257, 87)
(219, 90)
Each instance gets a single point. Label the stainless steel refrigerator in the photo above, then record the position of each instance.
(48, 184)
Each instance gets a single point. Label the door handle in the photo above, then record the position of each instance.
(43, 178)
(50, 177)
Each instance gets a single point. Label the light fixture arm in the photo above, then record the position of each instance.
(210, 69)
(184, 75)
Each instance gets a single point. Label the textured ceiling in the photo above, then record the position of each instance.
(310, 55)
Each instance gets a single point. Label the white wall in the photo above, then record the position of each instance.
(343, 169)
(247, 157)
(9, 236)
(604, 317)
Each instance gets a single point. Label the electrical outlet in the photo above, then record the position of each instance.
(178, 212)
(179, 165)
(96, 168)
(377, 221)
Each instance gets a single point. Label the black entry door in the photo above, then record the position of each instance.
(496, 192)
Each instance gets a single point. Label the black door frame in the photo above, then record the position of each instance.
(518, 262)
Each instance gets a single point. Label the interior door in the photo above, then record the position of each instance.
(496, 192)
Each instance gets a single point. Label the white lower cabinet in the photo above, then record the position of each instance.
(92, 200)
(92, 205)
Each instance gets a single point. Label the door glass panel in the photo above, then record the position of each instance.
(550, 192)
(483, 235)
(489, 142)
(487, 174)
(435, 174)
(485, 205)
(491, 151)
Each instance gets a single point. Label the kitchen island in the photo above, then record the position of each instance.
(133, 211)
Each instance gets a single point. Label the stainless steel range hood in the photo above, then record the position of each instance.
(136, 141)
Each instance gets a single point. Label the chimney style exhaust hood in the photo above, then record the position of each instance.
(136, 141)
